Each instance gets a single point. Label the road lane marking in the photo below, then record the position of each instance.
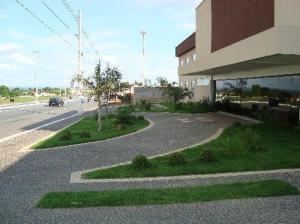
(36, 128)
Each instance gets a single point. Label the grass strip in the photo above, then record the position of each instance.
(280, 150)
(90, 125)
(270, 188)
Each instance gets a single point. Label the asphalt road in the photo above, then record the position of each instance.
(20, 118)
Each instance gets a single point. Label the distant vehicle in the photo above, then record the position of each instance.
(56, 101)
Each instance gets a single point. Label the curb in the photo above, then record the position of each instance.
(76, 177)
(240, 117)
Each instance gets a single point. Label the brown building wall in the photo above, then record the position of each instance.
(235, 20)
(187, 45)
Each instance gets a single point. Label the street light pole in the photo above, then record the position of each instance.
(35, 74)
(143, 33)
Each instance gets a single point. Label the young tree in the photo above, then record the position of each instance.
(163, 82)
(101, 84)
(113, 80)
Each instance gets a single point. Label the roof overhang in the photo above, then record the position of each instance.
(252, 65)
(187, 45)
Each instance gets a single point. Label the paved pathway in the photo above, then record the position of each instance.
(24, 181)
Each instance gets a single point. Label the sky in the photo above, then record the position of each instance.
(113, 28)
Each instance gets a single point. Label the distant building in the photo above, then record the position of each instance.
(244, 49)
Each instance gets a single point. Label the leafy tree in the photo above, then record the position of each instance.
(15, 92)
(163, 82)
(101, 84)
(4, 91)
(177, 93)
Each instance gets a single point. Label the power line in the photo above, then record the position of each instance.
(55, 14)
(70, 9)
(44, 23)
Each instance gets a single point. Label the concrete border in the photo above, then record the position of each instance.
(76, 177)
(183, 177)
(29, 147)
(240, 117)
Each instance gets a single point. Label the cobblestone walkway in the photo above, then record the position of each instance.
(29, 176)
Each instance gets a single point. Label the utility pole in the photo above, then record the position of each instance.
(35, 75)
(143, 33)
(79, 51)
(65, 85)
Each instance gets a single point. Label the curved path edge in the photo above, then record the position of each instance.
(28, 148)
(76, 177)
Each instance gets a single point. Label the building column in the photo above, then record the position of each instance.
(212, 89)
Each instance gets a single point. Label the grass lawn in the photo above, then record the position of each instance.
(90, 125)
(239, 148)
(269, 188)
(23, 100)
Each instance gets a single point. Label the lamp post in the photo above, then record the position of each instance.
(35, 74)
(143, 33)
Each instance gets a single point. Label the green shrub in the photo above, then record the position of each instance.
(144, 105)
(66, 136)
(140, 162)
(256, 143)
(124, 115)
(140, 117)
(119, 127)
(85, 134)
(297, 129)
(178, 106)
(176, 159)
(207, 156)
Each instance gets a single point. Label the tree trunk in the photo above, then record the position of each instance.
(99, 115)
(106, 109)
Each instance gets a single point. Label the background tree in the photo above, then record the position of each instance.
(4, 91)
(163, 82)
(113, 80)
(177, 93)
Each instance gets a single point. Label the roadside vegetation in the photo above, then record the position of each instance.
(270, 188)
(239, 148)
(121, 123)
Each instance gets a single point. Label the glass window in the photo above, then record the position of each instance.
(203, 82)
(194, 57)
(181, 62)
(284, 88)
(187, 60)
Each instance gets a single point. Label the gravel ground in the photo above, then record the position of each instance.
(25, 177)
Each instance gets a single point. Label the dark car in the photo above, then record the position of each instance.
(56, 101)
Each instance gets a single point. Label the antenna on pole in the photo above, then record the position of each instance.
(143, 33)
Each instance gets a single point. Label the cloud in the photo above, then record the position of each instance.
(21, 59)
(8, 47)
(7, 67)
(3, 13)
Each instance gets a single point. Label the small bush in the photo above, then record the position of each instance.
(140, 117)
(66, 136)
(145, 105)
(119, 127)
(207, 156)
(255, 144)
(297, 129)
(140, 162)
(125, 115)
(176, 159)
(85, 134)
